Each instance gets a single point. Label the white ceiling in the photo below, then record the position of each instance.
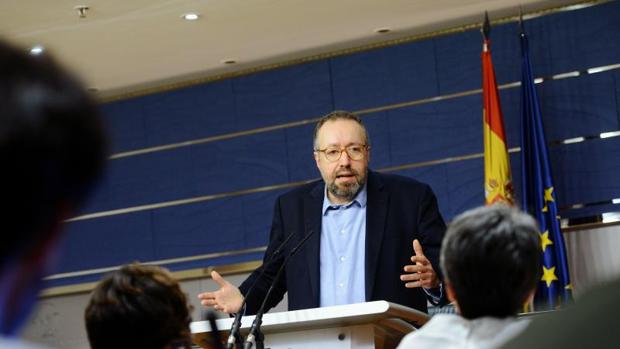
(125, 46)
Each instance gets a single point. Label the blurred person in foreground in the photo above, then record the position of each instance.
(591, 321)
(52, 149)
(490, 258)
(138, 306)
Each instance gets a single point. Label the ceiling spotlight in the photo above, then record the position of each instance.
(36, 50)
(81, 10)
(190, 16)
(229, 61)
(383, 30)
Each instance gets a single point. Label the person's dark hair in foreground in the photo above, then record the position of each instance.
(491, 260)
(138, 306)
(52, 149)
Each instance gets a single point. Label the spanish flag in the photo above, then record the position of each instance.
(497, 177)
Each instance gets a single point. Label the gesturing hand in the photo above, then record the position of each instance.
(227, 299)
(422, 273)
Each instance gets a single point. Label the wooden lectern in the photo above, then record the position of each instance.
(377, 324)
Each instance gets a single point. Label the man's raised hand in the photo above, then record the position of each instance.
(227, 298)
(420, 274)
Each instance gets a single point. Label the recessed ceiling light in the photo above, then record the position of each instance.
(36, 50)
(383, 30)
(81, 10)
(190, 16)
(229, 61)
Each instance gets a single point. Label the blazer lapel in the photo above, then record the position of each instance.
(312, 220)
(376, 212)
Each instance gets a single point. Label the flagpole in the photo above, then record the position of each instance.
(497, 174)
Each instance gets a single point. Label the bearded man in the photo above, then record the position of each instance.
(374, 236)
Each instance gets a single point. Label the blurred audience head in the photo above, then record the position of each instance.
(490, 258)
(52, 149)
(138, 306)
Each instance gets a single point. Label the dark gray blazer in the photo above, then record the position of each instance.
(399, 210)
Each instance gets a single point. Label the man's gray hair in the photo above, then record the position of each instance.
(339, 115)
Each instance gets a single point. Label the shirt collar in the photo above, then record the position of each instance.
(360, 199)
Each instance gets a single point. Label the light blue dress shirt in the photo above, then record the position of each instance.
(343, 245)
(343, 250)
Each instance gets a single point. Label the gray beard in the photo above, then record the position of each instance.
(347, 193)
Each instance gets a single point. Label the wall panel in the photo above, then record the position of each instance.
(438, 141)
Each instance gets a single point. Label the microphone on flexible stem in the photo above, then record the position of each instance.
(234, 335)
(214, 342)
(255, 337)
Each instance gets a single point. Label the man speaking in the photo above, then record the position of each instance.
(373, 236)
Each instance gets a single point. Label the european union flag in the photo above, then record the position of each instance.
(538, 196)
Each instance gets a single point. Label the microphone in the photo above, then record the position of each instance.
(254, 336)
(214, 341)
(236, 325)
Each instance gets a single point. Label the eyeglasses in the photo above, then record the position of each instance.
(354, 152)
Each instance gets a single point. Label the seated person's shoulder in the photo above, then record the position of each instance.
(454, 331)
(442, 331)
